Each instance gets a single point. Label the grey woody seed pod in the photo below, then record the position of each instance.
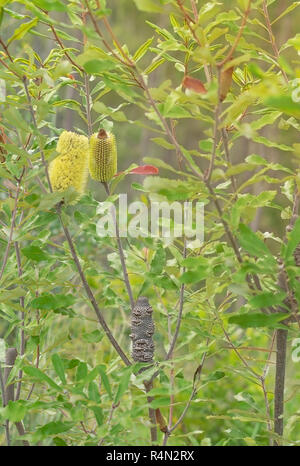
(142, 330)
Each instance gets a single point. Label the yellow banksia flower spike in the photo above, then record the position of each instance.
(70, 168)
(103, 156)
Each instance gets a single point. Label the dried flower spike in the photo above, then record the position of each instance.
(103, 156)
(70, 168)
(142, 330)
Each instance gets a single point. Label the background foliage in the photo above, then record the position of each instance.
(59, 60)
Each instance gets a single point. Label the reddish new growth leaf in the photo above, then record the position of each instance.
(142, 170)
(194, 85)
(145, 170)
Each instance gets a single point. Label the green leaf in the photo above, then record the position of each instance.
(82, 371)
(51, 5)
(105, 381)
(35, 253)
(52, 302)
(15, 410)
(53, 428)
(38, 374)
(158, 262)
(155, 64)
(252, 243)
(285, 104)
(93, 392)
(160, 402)
(123, 385)
(142, 50)
(98, 414)
(286, 11)
(293, 240)
(22, 30)
(98, 66)
(257, 320)
(194, 276)
(266, 299)
(59, 367)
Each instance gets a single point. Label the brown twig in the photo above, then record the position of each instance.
(179, 318)
(64, 50)
(238, 37)
(22, 334)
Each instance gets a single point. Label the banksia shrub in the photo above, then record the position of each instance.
(142, 330)
(70, 168)
(103, 156)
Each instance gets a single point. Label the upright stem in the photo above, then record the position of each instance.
(153, 428)
(179, 318)
(22, 333)
(2, 385)
(122, 256)
(90, 293)
(88, 104)
(281, 343)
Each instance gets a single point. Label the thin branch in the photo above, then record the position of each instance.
(122, 256)
(272, 39)
(88, 105)
(22, 333)
(194, 8)
(179, 318)
(97, 29)
(227, 154)
(281, 344)
(64, 50)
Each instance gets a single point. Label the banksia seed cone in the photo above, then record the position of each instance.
(142, 328)
(70, 168)
(103, 156)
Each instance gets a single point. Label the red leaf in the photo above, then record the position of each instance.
(194, 85)
(144, 170)
(141, 170)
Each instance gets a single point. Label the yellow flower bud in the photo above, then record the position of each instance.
(103, 156)
(70, 168)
